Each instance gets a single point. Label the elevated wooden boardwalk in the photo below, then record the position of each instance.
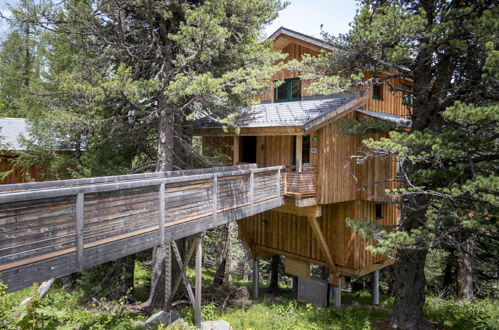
(50, 229)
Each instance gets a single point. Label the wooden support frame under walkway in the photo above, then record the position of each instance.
(51, 229)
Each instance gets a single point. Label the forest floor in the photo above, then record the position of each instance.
(63, 309)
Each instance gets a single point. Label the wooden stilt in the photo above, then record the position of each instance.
(375, 288)
(197, 305)
(256, 276)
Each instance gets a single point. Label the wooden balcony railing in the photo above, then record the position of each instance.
(301, 184)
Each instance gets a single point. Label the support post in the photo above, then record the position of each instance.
(80, 200)
(251, 195)
(298, 153)
(235, 154)
(214, 190)
(335, 296)
(197, 305)
(375, 288)
(256, 276)
(295, 287)
(161, 220)
(279, 183)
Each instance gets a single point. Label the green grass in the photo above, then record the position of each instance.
(61, 309)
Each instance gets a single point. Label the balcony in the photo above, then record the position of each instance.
(300, 184)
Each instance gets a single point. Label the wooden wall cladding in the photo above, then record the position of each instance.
(297, 267)
(392, 100)
(336, 182)
(292, 236)
(274, 150)
(16, 175)
(295, 52)
(214, 145)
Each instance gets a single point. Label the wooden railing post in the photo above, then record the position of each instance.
(80, 203)
(161, 221)
(214, 190)
(252, 191)
(198, 283)
(279, 183)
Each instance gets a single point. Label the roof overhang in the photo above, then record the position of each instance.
(251, 131)
(387, 117)
(341, 111)
(283, 36)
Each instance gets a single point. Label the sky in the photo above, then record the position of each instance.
(305, 16)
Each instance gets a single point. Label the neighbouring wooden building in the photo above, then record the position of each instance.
(12, 131)
(323, 187)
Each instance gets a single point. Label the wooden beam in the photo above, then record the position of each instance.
(184, 268)
(80, 200)
(117, 178)
(310, 211)
(299, 153)
(235, 154)
(316, 229)
(251, 131)
(198, 266)
(184, 277)
(161, 220)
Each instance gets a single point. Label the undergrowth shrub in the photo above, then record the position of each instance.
(479, 314)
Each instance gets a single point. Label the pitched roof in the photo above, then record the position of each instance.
(285, 114)
(387, 116)
(11, 132)
(306, 38)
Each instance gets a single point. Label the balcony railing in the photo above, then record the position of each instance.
(300, 184)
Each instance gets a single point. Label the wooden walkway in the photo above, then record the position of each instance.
(50, 229)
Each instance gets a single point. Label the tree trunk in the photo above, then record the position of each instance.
(221, 274)
(161, 281)
(448, 279)
(161, 265)
(409, 288)
(465, 270)
(274, 273)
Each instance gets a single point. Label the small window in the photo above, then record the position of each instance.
(378, 92)
(290, 90)
(379, 211)
(407, 96)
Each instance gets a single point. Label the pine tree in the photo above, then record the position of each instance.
(449, 50)
(146, 70)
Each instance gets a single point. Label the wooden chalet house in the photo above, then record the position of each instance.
(293, 128)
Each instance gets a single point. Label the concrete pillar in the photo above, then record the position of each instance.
(256, 276)
(375, 288)
(335, 296)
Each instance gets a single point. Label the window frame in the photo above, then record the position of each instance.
(289, 91)
(380, 96)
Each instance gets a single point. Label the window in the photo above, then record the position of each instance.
(290, 90)
(407, 96)
(378, 92)
(379, 211)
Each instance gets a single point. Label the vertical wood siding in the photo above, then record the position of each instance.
(292, 235)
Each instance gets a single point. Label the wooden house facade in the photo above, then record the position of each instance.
(322, 186)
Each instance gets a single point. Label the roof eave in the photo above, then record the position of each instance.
(346, 108)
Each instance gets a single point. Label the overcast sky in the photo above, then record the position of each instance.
(305, 16)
